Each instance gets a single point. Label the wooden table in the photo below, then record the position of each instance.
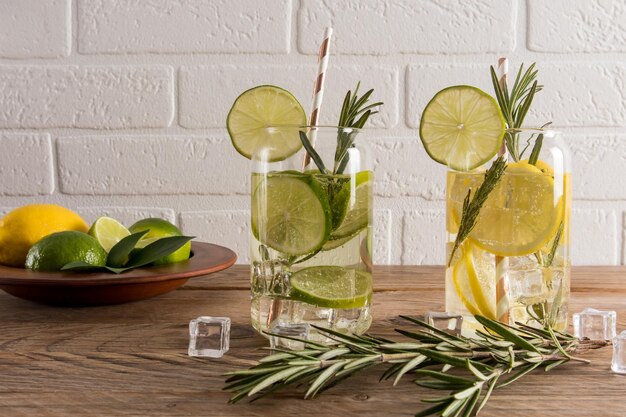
(131, 359)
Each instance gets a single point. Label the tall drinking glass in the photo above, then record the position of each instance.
(311, 240)
(515, 264)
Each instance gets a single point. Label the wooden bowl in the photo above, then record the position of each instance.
(100, 288)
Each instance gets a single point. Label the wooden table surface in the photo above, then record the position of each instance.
(131, 360)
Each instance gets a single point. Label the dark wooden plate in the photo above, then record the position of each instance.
(99, 288)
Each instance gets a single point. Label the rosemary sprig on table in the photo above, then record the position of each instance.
(472, 205)
(515, 105)
(497, 357)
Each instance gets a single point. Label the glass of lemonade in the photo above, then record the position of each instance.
(514, 266)
(311, 233)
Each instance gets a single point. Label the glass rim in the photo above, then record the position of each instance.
(311, 127)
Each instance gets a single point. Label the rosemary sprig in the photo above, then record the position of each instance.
(355, 112)
(472, 205)
(515, 104)
(499, 356)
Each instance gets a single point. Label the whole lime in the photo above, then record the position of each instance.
(55, 250)
(157, 229)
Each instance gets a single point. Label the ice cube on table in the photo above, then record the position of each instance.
(449, 323)
(595, 324)
(298, 330)
(618, 364)
(209, 336)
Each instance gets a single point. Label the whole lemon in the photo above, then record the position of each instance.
(23, 227)
(58, 249)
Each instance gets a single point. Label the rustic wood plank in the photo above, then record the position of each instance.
(130, 360)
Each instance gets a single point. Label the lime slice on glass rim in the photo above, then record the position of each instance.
(254, 111)
(462, 127)
(108, 232)
(332, 286)
(290, 214)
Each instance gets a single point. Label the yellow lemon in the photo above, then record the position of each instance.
(23, 227)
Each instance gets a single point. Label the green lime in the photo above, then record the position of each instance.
(290, 213)
(259, 108)
(158, 228)
(335, 243)
(58, 249)
(332, 287)
(108, 232)
(358, 212)
(462, 127)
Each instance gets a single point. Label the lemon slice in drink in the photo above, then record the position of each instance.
(257, 109)
(358, 208)
(462, 127)
(290, 213)
(332, 287)
(108, 232)
(520, 215)
(472, 276)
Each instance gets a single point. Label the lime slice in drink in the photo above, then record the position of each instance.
(335, 243)
(359, 205)
(108, 232)
(290, 213)
(332, 287)
(462, 127)
(261, 107)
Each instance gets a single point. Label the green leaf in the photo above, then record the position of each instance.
(410, 365)
(506, 334)
(446, 377)
(80, 266)
(323, 377)
(433, 410)
(156, 250)
(118, 255)
(315, 157)
(272, 379)
(534, 154)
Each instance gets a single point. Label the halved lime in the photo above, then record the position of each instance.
(259, 108)
(359, 205)
(108, 232)
(332, 286)
(290, 213)
(462, 127)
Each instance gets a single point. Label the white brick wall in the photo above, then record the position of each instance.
(118, 107)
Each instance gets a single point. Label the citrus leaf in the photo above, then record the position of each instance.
(157, 250)
(80, 266)
(118, 255)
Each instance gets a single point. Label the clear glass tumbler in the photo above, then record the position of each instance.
(514, 265)
(311, 240)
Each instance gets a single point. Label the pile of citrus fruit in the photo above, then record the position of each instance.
(45, 237)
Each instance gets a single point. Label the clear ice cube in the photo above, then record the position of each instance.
(450, 323)
(618, 364)
(595, 324)
(271, 277)
(299, 330)
(209, 336)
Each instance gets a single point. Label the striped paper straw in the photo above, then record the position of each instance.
(502, 263)
(318, 89)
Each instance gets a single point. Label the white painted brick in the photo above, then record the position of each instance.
(382, 237)
(128, 26)
(576, 94)
(103, 97)
(576, 25)
(230, 228)
(594, 238)
(26, 164)
(145, 165)
(208, 92)
(402, 168)
(126, 215)
(424, 237)
(35, 28)
(596, 160)
(405, 26)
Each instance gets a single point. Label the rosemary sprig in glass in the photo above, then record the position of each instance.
(497, 357)
(472, 205)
